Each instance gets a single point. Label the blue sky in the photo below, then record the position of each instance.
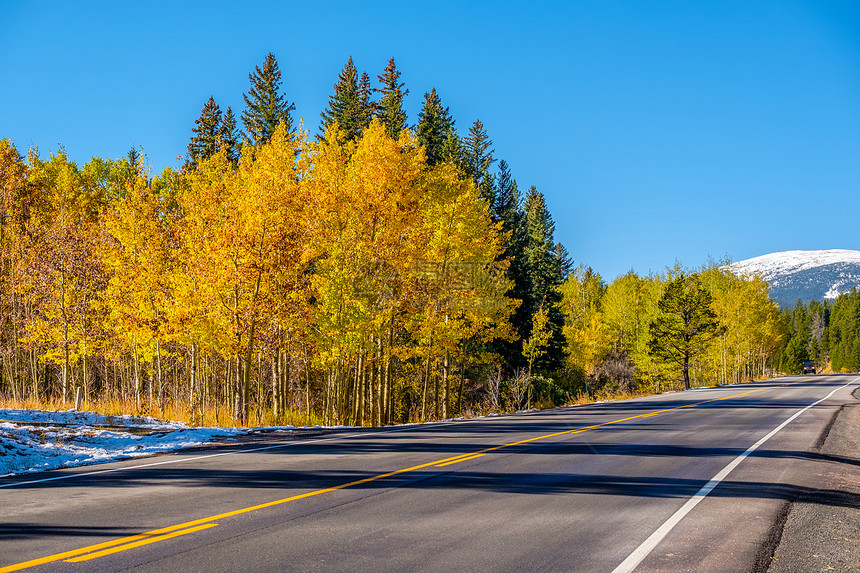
(723, 128)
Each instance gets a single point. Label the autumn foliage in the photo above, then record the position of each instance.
(345, 279)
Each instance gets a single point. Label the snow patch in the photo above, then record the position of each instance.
(39, 440)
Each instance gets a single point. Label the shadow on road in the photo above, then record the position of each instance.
(20, 531)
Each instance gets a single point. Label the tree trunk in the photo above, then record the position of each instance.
(687, 370)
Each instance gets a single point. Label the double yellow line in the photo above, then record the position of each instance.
(156, 535)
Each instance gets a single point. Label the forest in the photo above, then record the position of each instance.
(827, 332)
(374, 272)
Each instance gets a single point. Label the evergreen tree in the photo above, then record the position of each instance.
(452, 149)
(685, 323)
(134, 157)
(205, 141)
(265, 105)
(565, 263)
(543, 274)
(366, 107)
(435, 126)
(389, 108)
(507, 200)
(228, 136)
(350, 105)
(134, 161)
(478, 159)
(508, 211)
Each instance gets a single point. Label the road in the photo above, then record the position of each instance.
(689, 481)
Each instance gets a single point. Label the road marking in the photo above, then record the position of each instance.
(207, 520)
(473, 457)
(140, 543)
(89, 548)
(640, 553)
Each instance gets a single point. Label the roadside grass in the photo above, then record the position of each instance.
(172, 412)
(259, 416)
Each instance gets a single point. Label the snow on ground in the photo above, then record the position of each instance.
(37, 440)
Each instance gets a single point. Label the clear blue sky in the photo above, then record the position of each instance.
(725, 128)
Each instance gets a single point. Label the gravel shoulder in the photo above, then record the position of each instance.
(822, 532)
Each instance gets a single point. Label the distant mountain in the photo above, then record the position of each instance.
(805, 275)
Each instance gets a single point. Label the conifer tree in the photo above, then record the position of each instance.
(434, 127)
(350, 105)
(389, 108)
(265, 105)
(134, 159)
(543, 272)
(205, 141)
(452, 150)
(228, 136)
(686, 323)
(565, 263)
(478, 159)
(508, 211)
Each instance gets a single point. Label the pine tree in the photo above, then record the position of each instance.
(508, 211)
(686, 323)
(205, 141)
(543, 272)
(350, 105)
(265, 105)
(479, 158)
(389, 108)
(452, 150)
(506, 206)
(228, 136)
(565, 263)
(434, 127)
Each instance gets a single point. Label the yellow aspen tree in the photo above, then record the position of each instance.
(63, 278)
(461, 287)
(138, 256)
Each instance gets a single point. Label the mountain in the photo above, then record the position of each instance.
(805, 275)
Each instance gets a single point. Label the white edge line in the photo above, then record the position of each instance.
(640, 553)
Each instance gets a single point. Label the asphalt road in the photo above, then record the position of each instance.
(691, 481)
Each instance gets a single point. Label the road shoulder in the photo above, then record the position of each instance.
(822, 531)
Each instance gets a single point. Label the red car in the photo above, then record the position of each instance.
(809, 367)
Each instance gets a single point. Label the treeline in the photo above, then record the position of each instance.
(373, 273)
(637, 333)
(827, 332)
(361, 276)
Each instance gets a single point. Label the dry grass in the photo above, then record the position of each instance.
(171, 412)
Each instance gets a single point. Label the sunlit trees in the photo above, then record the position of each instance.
(265, 105)
(543, 274)
(584, 330)
(435, 128)
(138, 257)
(685, 324)
(389, 109)
(461, 285)
(844, 332)
(207, 133)
(61, 273)
(349, 106)
(368, 276)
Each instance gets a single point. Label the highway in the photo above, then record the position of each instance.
(688, 481)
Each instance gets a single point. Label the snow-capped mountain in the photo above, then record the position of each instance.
(805, 275)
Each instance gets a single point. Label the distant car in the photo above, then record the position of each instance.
(809, 367)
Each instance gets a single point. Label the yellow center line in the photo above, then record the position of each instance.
(139, 543)
(460, 460)
(157, 534)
